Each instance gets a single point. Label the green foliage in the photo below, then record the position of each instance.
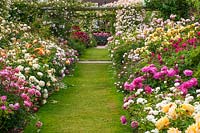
(93, 42)
(4, 7)
(185, 59)
(118, 55)
(168, 7)
(42, 30)
(77, 45)
(57, 22)
(194, 3)
(25, 12)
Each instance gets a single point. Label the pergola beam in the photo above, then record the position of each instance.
(88, 8)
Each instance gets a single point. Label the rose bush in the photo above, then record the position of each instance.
(158, 71)
(32, 69)
(101, 37)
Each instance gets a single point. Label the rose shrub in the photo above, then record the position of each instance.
(158, 70)
(101, 37)
(31, 70)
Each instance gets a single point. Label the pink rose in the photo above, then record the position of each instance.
(198, 33)
(194, 81)
(126, 86)
(3, 98)
(16, 106)
(31, 91)
(171, 72)
(134, 124)
(188, 72)
(27, 103)
(37, 93)
(157, 75)
(123, 120)
(148, 89)
(39, 124)
(164, 68)
(132, 87)
(3, 107)
(145, 69)
(25, 96)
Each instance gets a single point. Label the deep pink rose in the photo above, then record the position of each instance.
(145, 69)
(3, 98)
(132, 87)
(198, 33)
(164, 68)
(171, 72)
(188, 72)
(194, 81)
(126, 86)
(148, 89)
(37, 93)
(3, 107)
(157, 75)
(123, 120)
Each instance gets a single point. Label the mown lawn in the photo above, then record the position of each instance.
(88, 103)
(95, 54)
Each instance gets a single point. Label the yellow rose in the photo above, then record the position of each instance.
(193, 25)
(172, 113)
(162, 123)
(198, 127)
(188, 108)
(169, 34)
(173, 130)
(35, 41)
(67, 62)
(191, 33)
(188, 26)
(159, 30)
(191, 129)
(166, 108)
(197, 118)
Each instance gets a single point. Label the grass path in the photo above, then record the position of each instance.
(95, 54)
(90, 105)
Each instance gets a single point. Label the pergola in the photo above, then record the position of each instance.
(100, 2)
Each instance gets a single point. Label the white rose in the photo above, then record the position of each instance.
(45, 91)
(48, 84)
(41, 83)
(45, 96)
(126, 104)
(36, 66)
(198, 91)
(155, 131)
(20, 67)
(40, 74)
(32, 78)
(38, 87)
(44, 101)
(177, 84)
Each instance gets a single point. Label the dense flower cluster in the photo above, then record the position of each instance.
(16, 97)
(81, 36)
(128, 19)
(31, 69)
(101, 37)
(157, 76)
(120, 3)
